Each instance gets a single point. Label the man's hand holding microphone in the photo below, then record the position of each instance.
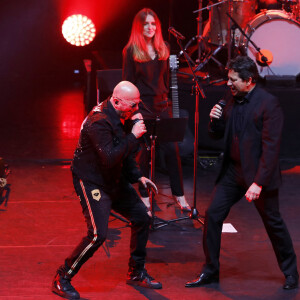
(139, 128)
(217, 110)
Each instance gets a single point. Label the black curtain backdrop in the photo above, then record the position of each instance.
(33, 49)
(35, 58)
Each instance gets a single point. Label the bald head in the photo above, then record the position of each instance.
(127, 91)
(125, 99)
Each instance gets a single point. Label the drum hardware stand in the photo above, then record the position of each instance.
(187, 46)
(211, 56)
(199, 31)
(198, 37)
(194, 215)
(212, 53)
(263, 58)
(235, 50)
(229, 39)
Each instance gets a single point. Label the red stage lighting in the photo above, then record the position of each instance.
(78, 30)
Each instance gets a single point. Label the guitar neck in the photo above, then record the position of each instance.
(174, 92)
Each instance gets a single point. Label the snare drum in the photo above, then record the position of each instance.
(242, 11)
(278, 32)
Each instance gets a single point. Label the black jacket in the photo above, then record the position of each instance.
(105, 153)
(151, 77)
(260, 139)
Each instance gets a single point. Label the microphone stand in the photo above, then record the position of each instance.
(229, 42)
(194, 213)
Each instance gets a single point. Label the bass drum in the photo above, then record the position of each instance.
(277, 32)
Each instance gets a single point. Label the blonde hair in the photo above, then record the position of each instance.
(137, 40)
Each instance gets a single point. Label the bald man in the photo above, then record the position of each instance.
(103, 171)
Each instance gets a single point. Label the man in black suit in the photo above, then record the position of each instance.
(251, 123)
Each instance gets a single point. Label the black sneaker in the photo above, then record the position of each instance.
(142, 278)
(62, 286)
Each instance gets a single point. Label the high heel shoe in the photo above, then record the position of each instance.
(147, 203)
(181, 201)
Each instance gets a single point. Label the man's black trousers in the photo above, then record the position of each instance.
(96, 207)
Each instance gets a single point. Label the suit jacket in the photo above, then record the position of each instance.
(260, 139)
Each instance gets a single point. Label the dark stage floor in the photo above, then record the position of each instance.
(42, 220)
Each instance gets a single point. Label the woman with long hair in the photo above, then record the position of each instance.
(145, 64)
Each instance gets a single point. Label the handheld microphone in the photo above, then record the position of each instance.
(143, 136)
(134, 121)
(222, 103)
(215, 119)
(177, 34)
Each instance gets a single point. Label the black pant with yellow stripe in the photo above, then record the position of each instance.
(96, 206)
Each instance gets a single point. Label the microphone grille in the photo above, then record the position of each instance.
(222, 103)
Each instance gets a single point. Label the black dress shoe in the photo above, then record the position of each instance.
(203, 279)
(291, 282)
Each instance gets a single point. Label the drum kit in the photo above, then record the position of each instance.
(233, 25)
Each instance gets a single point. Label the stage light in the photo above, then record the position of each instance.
(78, 30)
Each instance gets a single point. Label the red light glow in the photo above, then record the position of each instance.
(78, 30)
